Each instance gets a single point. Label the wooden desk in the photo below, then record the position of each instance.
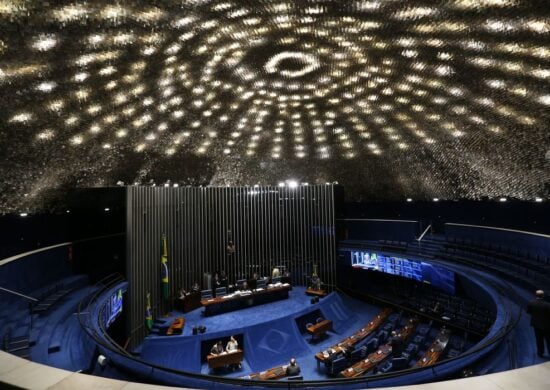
(271, 374)
(322, 357)
(224, 359)
(240, 300)
(318, 293)
(319, 328)
(436, 349)
(375, 358)
(176, 327)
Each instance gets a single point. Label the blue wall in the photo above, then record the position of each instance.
(374, 230)
(535, 244)
(35, 271)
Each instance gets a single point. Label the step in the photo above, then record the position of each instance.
(22, 353)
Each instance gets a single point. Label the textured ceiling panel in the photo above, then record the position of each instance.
(391, 98)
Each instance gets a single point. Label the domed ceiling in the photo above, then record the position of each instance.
(392, 99)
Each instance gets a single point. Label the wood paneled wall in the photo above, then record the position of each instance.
(270, 226)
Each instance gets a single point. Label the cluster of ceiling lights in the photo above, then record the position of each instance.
(450, 99)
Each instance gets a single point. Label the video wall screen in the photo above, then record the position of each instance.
(420, 271)
(113, 308)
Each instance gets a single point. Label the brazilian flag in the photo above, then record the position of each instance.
(164, 270)
(148, 313)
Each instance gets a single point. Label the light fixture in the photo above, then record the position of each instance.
(281, 184)
(107, 209)
(292, 183)
(23, 215)
(502, 200)
(538, 200)
(409, 200)
(436, 199)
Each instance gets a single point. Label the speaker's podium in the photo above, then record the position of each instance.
(316, 293)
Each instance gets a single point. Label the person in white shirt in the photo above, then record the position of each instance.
(232, 346)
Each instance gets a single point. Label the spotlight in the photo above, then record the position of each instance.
(68, 211)
(502, 200)
(120, 183)
(409, 200)
(107, 209)
(538, 200)
(23, 215)
(176, 185)
(292, 183)
(436, 199)
(281, 184)
(305, 184)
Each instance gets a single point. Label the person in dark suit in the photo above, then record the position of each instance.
(217, 349)
(540, 321)
(396, 344)
(293, 368)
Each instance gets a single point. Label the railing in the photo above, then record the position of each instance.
(31, 300)
(424, 233)
(105, 341)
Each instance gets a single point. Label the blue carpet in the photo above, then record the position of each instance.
(271, 335)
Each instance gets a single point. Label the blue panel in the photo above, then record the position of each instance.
(267, 342)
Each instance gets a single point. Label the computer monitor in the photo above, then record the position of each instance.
(240, 283)
(221, 291)
(260, 283)
(205, 294)
(276, 280)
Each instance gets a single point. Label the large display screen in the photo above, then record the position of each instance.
(421, 271)
(113, 308)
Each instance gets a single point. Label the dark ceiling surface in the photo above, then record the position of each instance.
(392, 99)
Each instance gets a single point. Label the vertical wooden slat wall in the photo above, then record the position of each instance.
(270, 226)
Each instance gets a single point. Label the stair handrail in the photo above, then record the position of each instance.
(424, 233)
(19, 294)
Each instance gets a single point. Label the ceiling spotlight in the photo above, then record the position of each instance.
(176, 185)
(68, 211)
(120, 183)
(23, 214)
(538, 200)
(502, 200)
(107, 209)
(281, 184)
(292, 183)
(305, 184)
(409, 200)
(436, 199)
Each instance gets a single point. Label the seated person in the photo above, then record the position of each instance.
(182, 293)
(232, 346)
(217, 349)
(244, 286)
(293, 368)
(396, 344)
(315, 282)
(196, 287)
(276, 273)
